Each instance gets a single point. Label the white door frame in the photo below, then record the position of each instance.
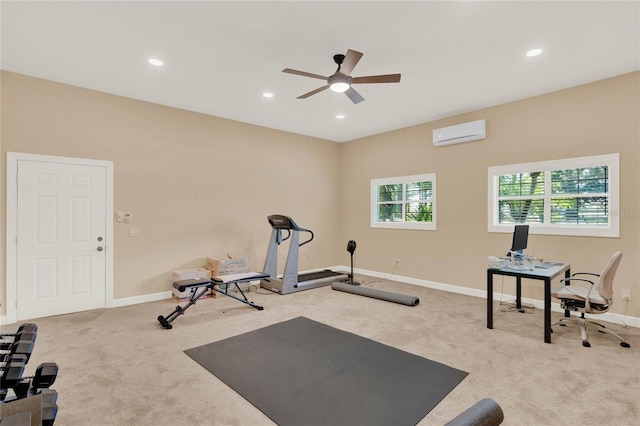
(12, 223)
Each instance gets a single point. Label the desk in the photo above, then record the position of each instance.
(546, 275)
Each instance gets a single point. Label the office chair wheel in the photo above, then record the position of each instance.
(586, 344)
(625, 345)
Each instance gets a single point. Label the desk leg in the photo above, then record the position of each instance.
(519, 293)
(547, 310)
(489, 299)
(567, 274)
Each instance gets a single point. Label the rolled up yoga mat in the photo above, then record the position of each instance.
(485, 412)
(403, 299)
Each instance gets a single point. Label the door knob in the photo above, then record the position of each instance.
(100, 248)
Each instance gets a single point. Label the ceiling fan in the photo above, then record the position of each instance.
(341, 81)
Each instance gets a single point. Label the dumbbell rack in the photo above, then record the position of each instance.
(19, 394)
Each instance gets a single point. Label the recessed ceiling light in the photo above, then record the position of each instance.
(339, 116)
(534, 52)
(267, 95)
(155, 62)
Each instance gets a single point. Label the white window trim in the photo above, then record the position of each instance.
(423, 226)
(612, 229)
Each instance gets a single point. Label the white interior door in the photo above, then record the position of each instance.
(61, 238)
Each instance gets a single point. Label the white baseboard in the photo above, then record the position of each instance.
(126, 301)
(539, 304)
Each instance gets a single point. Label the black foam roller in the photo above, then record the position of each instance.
(403, 299)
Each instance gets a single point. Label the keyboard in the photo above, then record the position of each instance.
(547, 265)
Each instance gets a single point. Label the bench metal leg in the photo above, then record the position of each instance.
(179, 310)
(243, 299)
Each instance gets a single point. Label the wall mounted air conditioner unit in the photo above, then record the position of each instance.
(466, 132)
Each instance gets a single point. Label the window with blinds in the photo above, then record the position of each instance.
(406, 202)
(576, 196)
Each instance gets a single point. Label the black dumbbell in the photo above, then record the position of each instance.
(49, 406)
(49, 413)
(49, 395)
(44, 377)
(27, 326)
(21, 347)
(5, 344)
(15, 356)
(12, 374)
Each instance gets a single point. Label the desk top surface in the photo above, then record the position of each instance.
(534, 272)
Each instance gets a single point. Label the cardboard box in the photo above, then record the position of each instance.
(188, 274)
(222, 266)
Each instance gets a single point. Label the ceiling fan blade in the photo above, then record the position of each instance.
(355, 97)
(387, 78)
(304, 73)
(313, 92)
(350, 61)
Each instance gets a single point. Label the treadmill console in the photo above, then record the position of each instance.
(278, 221)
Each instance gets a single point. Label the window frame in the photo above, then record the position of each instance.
(421, 226)
(611, 229)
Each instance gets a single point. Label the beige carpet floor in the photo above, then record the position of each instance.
(119, 367)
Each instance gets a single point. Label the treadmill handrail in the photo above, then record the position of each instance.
(307, 241)
(279, 238)
(279, 221)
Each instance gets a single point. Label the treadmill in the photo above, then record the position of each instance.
(291, 281)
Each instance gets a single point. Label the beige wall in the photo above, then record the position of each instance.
(598, 118)
(197, 185)
(200, 185)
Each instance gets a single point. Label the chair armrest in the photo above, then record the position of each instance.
(585, 273)
(577, 279)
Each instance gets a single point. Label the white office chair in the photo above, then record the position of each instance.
(589, 297)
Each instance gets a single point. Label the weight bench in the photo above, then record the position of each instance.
(200, 286)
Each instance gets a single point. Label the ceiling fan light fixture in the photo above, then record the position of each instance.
(339, 87)
(339, 83)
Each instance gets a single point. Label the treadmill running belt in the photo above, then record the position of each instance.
(318, 275)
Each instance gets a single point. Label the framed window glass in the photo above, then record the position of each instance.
(405, 202)
(574, 196)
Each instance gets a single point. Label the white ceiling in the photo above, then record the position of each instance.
(220, 57)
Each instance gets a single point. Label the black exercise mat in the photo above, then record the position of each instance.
(303, 373)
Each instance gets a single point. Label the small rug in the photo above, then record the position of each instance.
(304, 373)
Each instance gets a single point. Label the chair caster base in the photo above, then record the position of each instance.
(586, 344)
(625, 345)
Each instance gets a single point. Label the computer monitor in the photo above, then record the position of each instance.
(520, 237)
